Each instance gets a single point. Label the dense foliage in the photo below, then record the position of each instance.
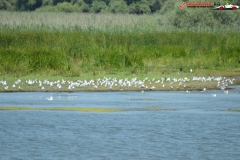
(132, 39)
(93, 6)
(75, 52)
(180, 18)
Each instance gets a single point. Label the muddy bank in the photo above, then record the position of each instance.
(109, 84)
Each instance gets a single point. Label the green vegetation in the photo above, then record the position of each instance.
(78, 52)
(90, 6)
(75, 52)
(95, 6)
(96, 44)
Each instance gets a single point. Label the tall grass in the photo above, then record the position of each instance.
(121, 23)
(137, 44)
(79, 51)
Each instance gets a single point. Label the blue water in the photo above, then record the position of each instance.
(190, 126)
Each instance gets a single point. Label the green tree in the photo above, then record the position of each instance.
(28, 5)
(79, 3)
(179, 19)
(169, 6)
(55, 2)
(225, 18)
(67, 7)
(155, 6)
(106, 1)
(47, 3)
(7, 5)
(118, 6)
(140, 7)
(83, 7)
(89, 2)
(98, 6)
(131, 1)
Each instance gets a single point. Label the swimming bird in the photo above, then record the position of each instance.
(49, 99)
(214, 95)
(226, 92)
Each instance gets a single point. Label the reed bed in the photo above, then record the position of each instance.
(51, 21)
(73, 44)
(106, 22)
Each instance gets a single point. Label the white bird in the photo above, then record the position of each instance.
(187, 92)
(20, 88)
(49, 99)
(191, 70)
(152, 88)
(6, 88)
(214, 95)
(226, 92)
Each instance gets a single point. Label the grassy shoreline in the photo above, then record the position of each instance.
(89, 47)
(196, 81)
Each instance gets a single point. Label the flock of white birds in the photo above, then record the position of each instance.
(126, 84)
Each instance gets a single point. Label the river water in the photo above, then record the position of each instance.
(151, 125)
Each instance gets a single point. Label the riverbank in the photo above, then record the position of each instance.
(131, 53)
(175, 81)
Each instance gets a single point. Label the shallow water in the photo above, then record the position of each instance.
(186, 126)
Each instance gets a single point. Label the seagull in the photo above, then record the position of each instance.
(6, 88)
(152, 88)
(226, 92)
(187, 92)
(49, 99)
(214, 95)
(19, 88)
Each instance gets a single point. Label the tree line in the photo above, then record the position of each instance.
(180, 18)
(85, 6)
